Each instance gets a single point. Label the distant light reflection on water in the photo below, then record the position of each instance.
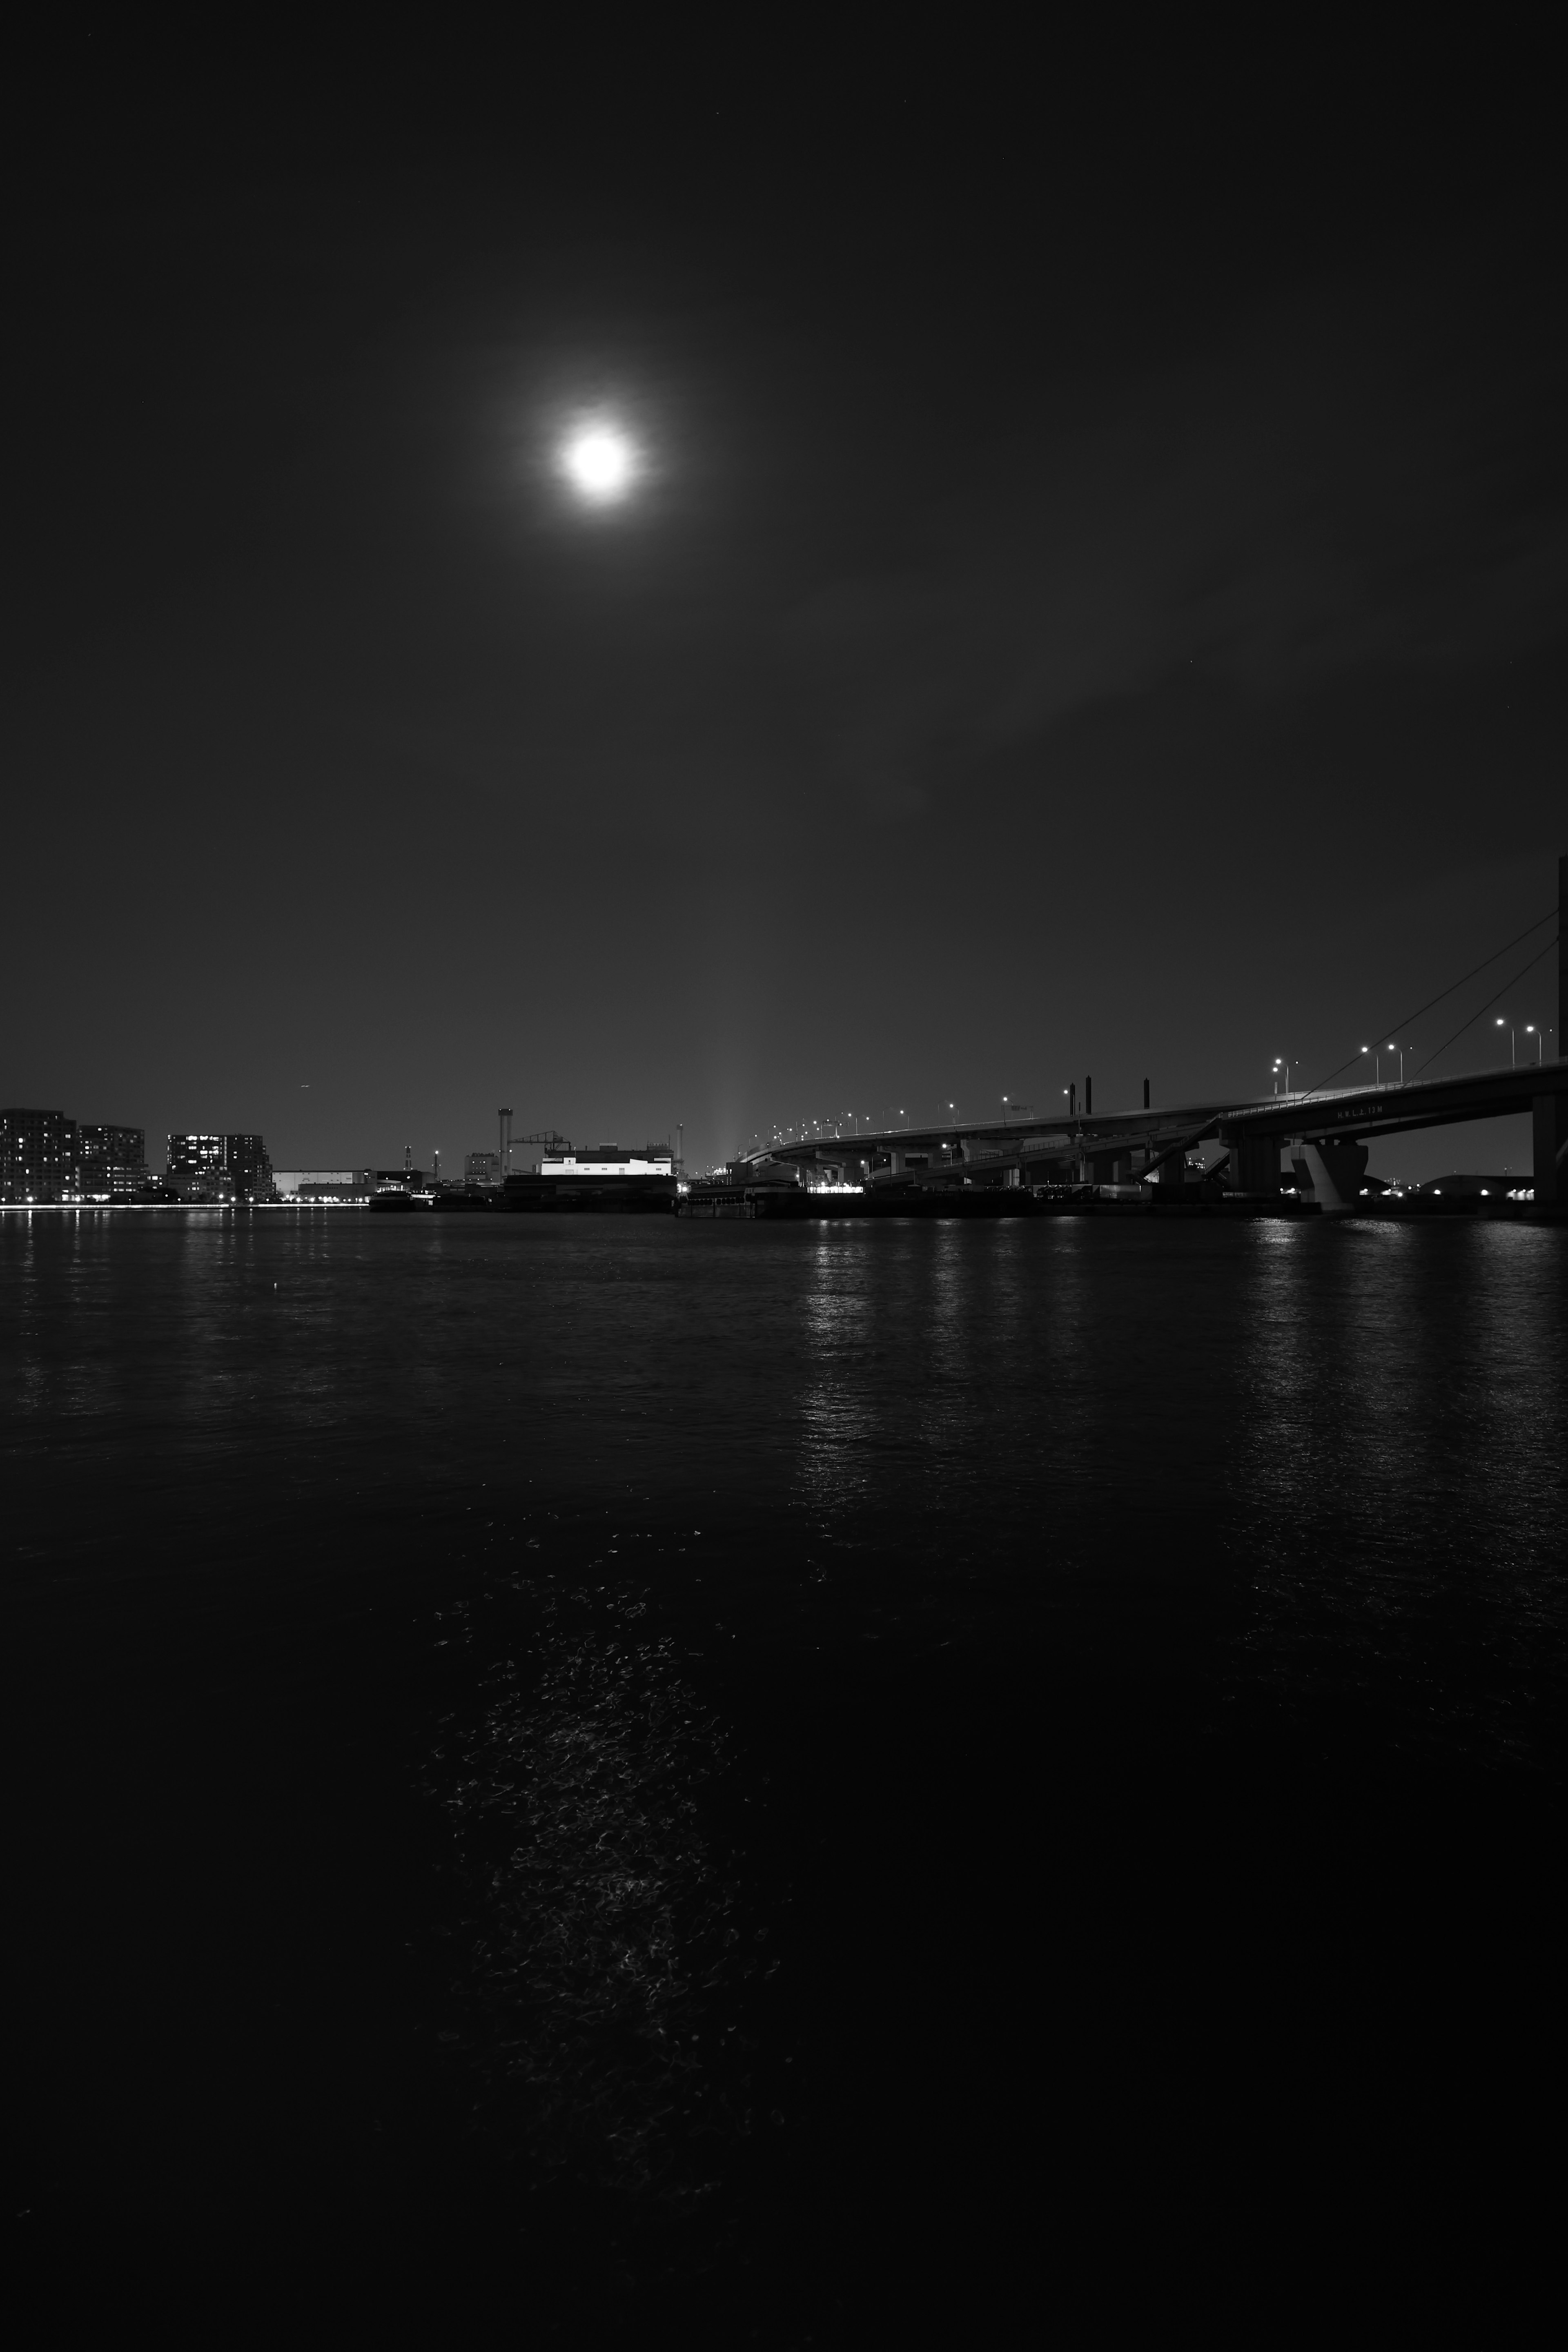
(1396, 1489)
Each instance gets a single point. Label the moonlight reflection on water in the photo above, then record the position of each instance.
(607, 1942)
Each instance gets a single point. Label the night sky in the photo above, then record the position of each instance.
(1096, 604)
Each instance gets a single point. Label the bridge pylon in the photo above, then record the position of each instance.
(1549, 1112)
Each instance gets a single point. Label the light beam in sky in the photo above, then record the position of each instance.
(600, 462)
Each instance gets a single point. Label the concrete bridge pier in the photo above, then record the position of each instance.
(1334, 1171)
(1549, 1113)
(1549, 1122)
(1255, 1164)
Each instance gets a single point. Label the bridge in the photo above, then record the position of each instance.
(1325, 1133)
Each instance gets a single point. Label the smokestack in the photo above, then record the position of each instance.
(1089, 1097)
(1145, 1094)
(1072, 1099)
(505, 1118)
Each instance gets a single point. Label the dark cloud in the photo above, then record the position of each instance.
(1364, 477)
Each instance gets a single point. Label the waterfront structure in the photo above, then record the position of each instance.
(111, 1161)
(482, 1168)
(608, 1159)
(37, 1155)
(321, 1187)
(603, 1176)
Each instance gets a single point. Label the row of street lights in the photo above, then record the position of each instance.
(1011, 1108)
(1280, 1072)
(1529, 1029)
(1281, 1067)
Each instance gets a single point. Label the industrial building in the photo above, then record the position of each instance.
(601, 1176)
(322, 1187)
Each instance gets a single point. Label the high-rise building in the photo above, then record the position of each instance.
(247, 1171)
(38, 1156)
(195, 1167)
(218, 1168)
(110, 1161)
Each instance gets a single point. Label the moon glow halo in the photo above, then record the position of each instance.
(600, 462)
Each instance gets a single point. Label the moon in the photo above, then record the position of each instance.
(600, 462)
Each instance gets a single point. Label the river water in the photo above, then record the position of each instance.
(788, 1782)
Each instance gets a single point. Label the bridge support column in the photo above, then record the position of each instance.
(1550, 1112)
(1336, 1170)
(1255, 1165)
(1550, 1123)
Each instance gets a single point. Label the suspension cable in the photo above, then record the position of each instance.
(1486, 1007)
(1411, 1018)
